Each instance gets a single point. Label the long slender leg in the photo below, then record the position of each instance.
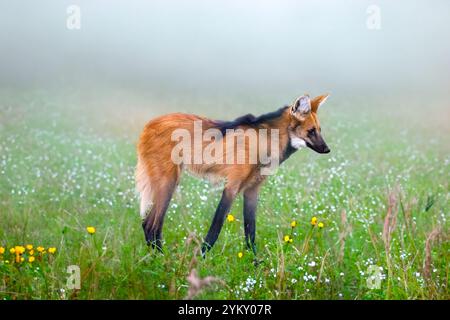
(228, 195)
(153, 223)
(250, 204)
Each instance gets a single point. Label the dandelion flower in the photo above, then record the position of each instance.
(240, 255)
(313, 221)
(29, 247)
(320, 225)
(90, 230)
(230, 218)
(12, 250)
(31, 259)
(40, 249)
(31, 252)
(288, 239)
(52, 250)
(293, 224)
(22, 259)
(19, 249)
(2, 250)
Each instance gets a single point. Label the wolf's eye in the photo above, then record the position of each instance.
(312, 132)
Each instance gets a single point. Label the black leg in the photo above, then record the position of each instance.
(250, 203)
(223, 208)
(152, 234)
(153, 223)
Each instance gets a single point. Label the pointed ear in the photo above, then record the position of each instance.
(318, 101)
(301, 106)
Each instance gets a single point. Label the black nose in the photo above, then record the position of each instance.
(326, 150)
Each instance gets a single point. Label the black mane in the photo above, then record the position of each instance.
(249, 120)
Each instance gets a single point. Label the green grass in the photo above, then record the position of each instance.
(65, 168)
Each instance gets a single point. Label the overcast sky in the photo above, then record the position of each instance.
(242, 45)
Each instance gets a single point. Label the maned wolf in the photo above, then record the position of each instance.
(207, 148)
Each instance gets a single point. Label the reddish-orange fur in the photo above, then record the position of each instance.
(157, 175)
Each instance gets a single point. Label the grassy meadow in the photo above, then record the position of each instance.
(381, 196)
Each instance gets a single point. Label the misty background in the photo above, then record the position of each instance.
(205, 51)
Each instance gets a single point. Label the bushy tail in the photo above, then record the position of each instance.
(143, 186)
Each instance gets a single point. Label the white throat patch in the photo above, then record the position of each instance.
(297, 142)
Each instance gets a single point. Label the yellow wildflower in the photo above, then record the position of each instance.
(12, 250)
(320, 225)
(22, 259)
(313, 221)
(293, 224)
(29, 247)
(31, 259)
(40, 249)
(19, 249)
(240, 255)
(230, 218)
(90, 230)
(52, 250)
(31, 252)
(2, 250)
(288, 239)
